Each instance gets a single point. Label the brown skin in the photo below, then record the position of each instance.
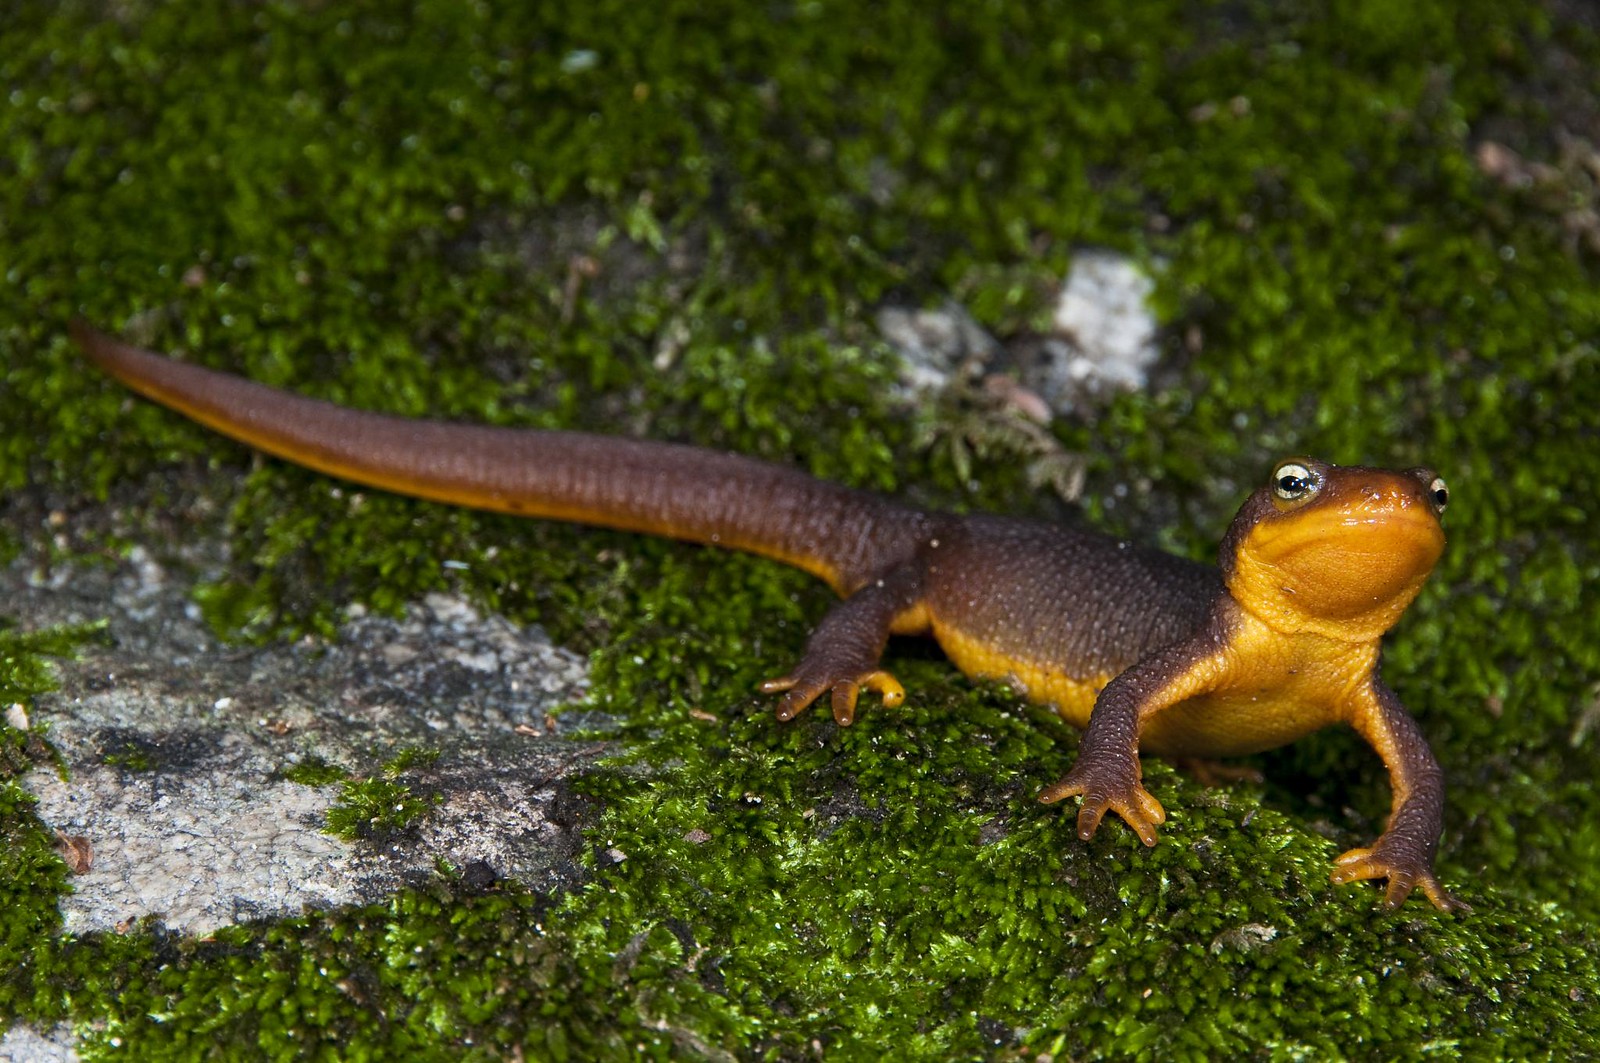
(1147, 651)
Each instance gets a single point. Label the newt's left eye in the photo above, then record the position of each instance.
(1439, 493)
(1293, 482)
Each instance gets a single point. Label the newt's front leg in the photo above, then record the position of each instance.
(843, 653)
(1108, 772)
(1403, 854)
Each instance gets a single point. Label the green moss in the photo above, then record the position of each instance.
(376, 808)
(132, 757)
(380, 806)
(25, 670)
(32, 875)
(407, 758)
(384, 206)
(314, 771)
(25, 673)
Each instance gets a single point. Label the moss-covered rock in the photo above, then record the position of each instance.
(675, 219)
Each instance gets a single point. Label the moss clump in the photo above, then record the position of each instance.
(25, 673)
(378, 807)
(314, 771)
(134, 757)
(408, 758)
(32, 874)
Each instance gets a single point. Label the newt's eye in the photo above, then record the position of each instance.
(1293, 482)
(1439, 493)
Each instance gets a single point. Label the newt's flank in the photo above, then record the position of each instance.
(1147, 651)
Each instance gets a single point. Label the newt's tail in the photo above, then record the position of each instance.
(842, 535)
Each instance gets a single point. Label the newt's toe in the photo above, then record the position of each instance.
(886, 686)
(797, 696)
(1126, 797)
(1403, 876)
(843, 701)
(800, 690)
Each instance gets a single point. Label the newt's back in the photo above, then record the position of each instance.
(1058, 610)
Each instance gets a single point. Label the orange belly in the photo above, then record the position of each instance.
(1265, 701)
(1072, 696)
(1234, 723)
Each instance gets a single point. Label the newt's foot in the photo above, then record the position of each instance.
(1113, 788)
(802, 688)
(1387, 859)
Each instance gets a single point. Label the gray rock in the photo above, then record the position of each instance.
(177, 746)
(22, 1044)
(1103, 340)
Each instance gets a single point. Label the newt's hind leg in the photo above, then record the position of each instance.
(842, 654)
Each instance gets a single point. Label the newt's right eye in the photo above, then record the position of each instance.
(1293, 482)
(1439, 493)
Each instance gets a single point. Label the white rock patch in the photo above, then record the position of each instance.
(1103, 313)
(211, 847)
(23, 1044)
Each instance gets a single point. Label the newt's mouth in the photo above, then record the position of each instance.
(1408, 530)
(1353, 558)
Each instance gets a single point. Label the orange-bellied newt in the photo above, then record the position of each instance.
(1144, 650)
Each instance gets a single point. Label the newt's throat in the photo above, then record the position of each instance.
(1331, 573)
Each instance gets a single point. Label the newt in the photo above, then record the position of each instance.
(1146, 651)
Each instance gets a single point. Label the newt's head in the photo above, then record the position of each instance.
(1341, 551)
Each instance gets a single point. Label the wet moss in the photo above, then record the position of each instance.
(32, 874)
(390, 206)
(314, 771)
(382, 805)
